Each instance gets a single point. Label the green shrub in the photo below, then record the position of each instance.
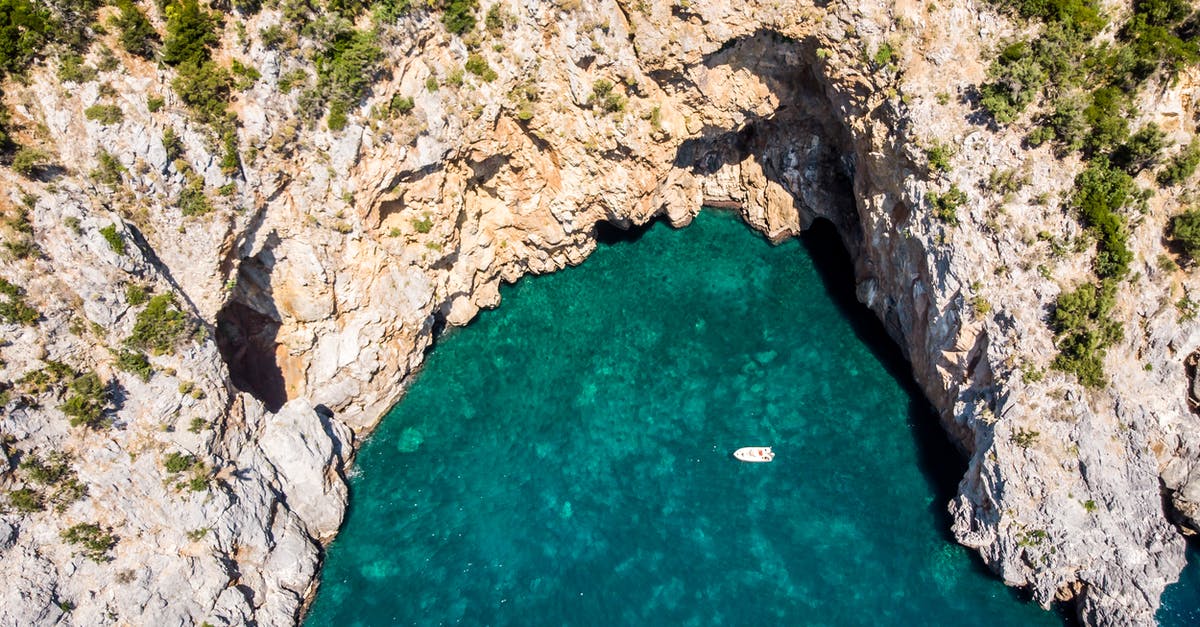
(1016, 78)
(1065, 125)
(13, 308)
(1083, 330)
(205, 88)
(135, 362)
(116, 241)
(1142, 150)
(26, 500)
(945, 205)
(1181, 167)
(605, 96)
(108, 61)
(93, 541)
(885, 57)
(230, 161)
(137, 34)
(246, 75)
(46, 378)
(154, 103)
(1184, 230)
(6, 143)
(52, 470)
(479, 66)
(201, 84)
(345, 70)
(1006, 180)
(136, 294)
(939, 157)
(109, 169)
(1106, 116)
(1024, 438)
(72, 70)
(273, 36)
(160, 327)
(459, 15)
(402, 105)
(423, 225)
(104, 114)
(176, 462)
(192, 200)
(87, 399)
(172, 144)
(30, 162)
(1159, 40)
(291, 79)
(197, 425)
(1101, 191)
(495, 20)
(1081, 15)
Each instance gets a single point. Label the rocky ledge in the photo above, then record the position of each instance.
(292, 312)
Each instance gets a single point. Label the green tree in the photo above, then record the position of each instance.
(1185, 230)
(1101, 192)
(191, 33)
(137, 34)
(1084, 329)
(1142, 150)
(23, 26)
(1181, 167)
(1016, 79)
(459, 15)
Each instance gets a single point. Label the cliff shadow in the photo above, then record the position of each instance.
(940, 462)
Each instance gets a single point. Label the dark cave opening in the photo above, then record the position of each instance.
(246, 339)
(247, 330)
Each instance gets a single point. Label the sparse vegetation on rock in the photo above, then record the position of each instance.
(91, 540)
(160, 327)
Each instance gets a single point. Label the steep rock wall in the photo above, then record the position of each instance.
(336, 258)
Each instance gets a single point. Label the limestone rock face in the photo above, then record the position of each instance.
(331, 259)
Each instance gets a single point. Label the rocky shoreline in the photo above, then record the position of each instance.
(320, 279)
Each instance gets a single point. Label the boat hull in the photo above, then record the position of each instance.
(754, 454)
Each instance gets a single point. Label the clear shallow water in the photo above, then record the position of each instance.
(564, 460)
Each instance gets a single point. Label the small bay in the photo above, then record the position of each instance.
(565, 459)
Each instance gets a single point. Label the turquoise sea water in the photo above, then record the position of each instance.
(1181, 601)
(565, 459)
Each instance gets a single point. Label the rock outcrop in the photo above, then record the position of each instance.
(332, 259)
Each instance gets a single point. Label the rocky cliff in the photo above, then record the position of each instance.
(302, 298)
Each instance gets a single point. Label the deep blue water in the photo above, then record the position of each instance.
(565, 459)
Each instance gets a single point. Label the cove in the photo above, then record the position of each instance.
(565, 459)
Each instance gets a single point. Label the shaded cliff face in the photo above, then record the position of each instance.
(331, 258)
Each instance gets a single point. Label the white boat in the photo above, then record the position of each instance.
(754, 454)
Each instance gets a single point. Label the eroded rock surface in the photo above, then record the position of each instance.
(333, 258)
